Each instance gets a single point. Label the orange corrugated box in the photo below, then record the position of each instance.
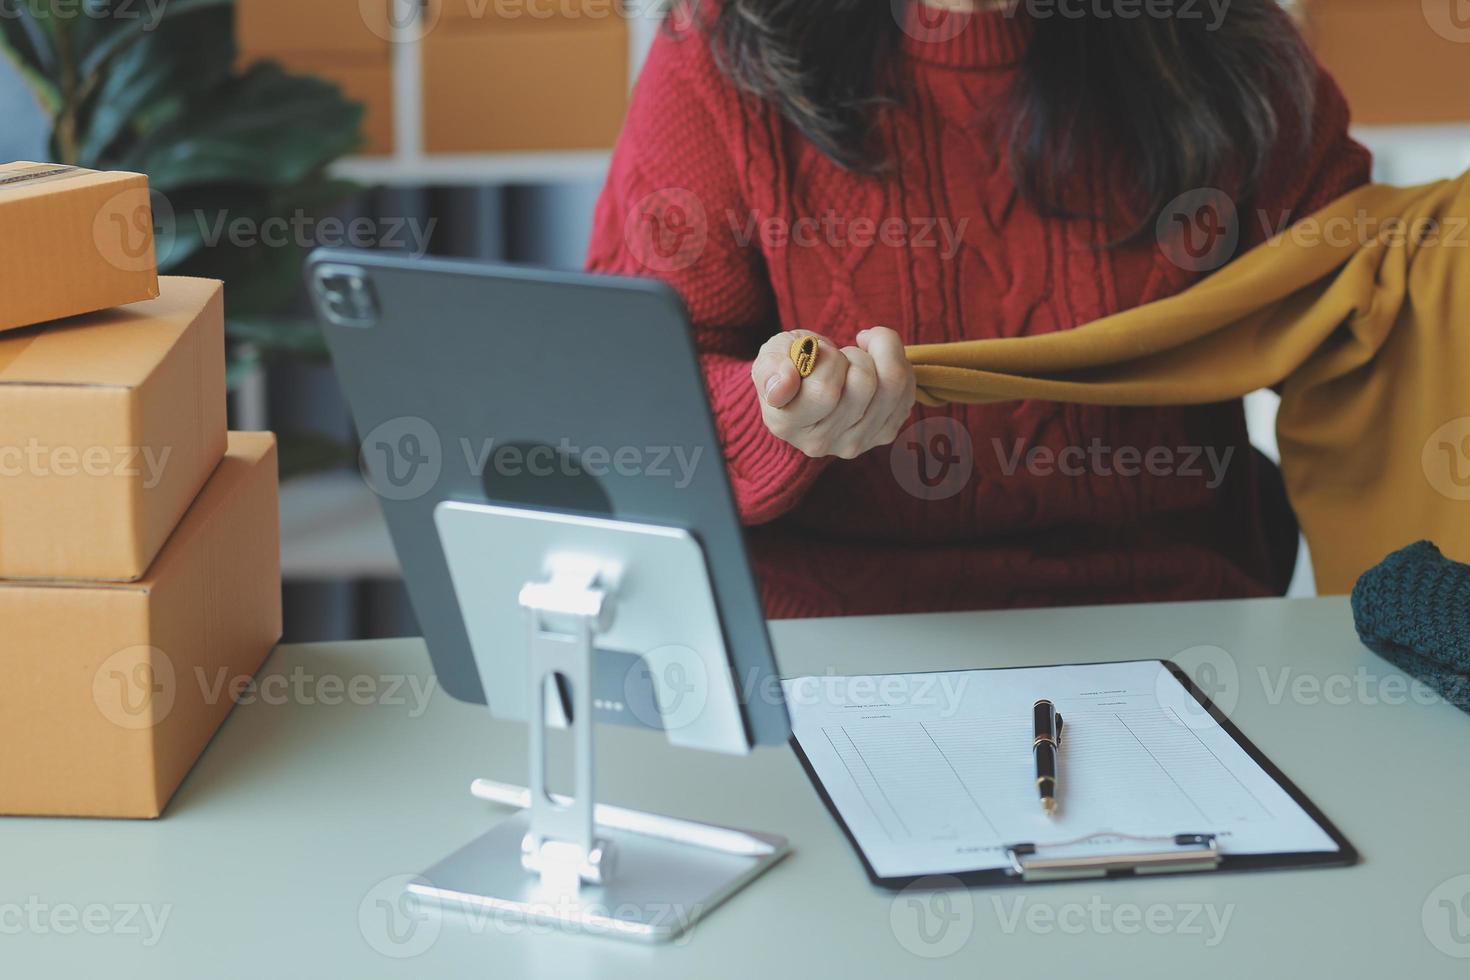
(495, 84)
(527, 13)
(1398, 61)
(111, 691)
(341, 26)
(72, 241)
(109, 425)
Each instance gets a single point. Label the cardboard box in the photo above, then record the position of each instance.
(527, 13)
(308, 26)
(1398, 61)
(111, 691)
(109, 425)
(363, 78)
(531, 88)
(72, 241)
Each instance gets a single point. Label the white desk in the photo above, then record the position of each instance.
(271, 860)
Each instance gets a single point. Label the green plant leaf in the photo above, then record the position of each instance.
(264, 128)
(27, 33)
(252, 238)
(114, 25)
(261, 280)
(28, 45)
(155, 78)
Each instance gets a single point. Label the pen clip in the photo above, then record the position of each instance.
(1059, 729)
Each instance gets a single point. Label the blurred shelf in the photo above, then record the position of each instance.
(1402, 155)
(477, 168)
(412, 163)
(332, 529)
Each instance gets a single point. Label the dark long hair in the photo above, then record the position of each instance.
(1166, 104)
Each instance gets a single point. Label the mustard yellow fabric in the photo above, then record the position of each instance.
(1359, 313)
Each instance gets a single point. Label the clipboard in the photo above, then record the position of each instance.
(1189, 851)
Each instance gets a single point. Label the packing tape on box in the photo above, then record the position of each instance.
(39, 174)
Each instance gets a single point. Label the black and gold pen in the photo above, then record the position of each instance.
(1044, 748)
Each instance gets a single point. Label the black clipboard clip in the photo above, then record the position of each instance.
(1182, 852)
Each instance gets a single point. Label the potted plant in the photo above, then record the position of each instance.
(227, 148)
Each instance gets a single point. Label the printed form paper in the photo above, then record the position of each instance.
(933, 772)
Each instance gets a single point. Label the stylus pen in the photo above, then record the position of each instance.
(634, 822)
(1048, 740)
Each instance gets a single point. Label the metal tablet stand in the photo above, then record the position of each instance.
(579, 583)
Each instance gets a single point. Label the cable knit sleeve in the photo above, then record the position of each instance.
(671, 209)
(1306, 175)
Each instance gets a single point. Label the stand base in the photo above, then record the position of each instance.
(660, 889)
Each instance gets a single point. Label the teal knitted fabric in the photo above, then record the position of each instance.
(1413, 609)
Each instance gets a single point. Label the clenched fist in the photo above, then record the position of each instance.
(855, 399)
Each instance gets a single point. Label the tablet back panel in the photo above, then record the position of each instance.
(559, 391)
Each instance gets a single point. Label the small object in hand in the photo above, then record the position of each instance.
(804, 355)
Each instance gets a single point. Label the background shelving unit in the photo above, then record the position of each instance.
(411, 165)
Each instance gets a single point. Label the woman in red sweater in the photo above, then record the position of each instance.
(884, 174)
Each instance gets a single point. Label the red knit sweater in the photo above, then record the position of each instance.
(1029, 503)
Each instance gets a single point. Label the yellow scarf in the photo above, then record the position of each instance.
(1360, 314)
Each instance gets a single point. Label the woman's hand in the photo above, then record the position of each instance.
(855, 399)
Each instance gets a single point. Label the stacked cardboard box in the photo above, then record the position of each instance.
(525, 75)
(346, 43)
(1398, 61)
(496, 76)
(88, 242)
(138, 540)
